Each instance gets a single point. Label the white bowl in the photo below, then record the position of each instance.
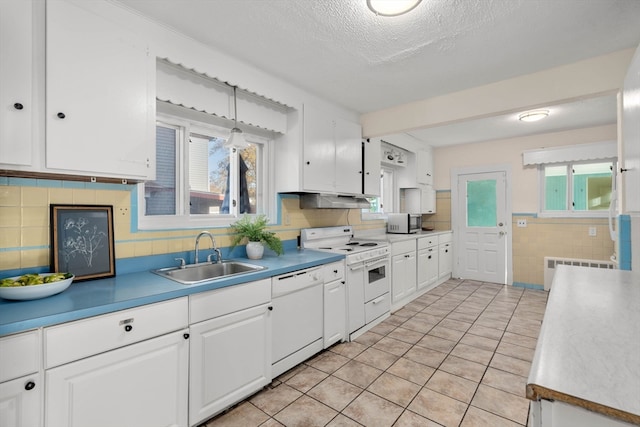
(34, 291)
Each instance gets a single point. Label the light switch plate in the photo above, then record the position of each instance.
(592, 231)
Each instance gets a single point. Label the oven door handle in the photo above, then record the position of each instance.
(356, 267)
(381, 260)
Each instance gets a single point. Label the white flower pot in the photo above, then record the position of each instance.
(255, 250)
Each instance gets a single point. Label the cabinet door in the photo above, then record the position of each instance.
(424, 167)
(20, 402)
(100, 85)
(144, 384)
(372, 149)
(404, 274)
(230, 358)
(427, 267)
(319, 168)
(348, 169)
(16, 71)
(445, 261)
(335, 312)
(428, 200)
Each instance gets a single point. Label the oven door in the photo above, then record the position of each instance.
(376, 278)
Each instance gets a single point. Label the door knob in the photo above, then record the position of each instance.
(502, 233)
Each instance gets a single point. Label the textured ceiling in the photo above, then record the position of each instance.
(341, 51)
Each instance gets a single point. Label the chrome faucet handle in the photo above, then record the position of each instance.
(182, 262)
(218, 256)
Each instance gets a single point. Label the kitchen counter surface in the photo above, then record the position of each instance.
(587, 351)
(92, 298)
(392, 238)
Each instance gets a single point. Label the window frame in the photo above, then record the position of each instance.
(183, 219)
(569, 213)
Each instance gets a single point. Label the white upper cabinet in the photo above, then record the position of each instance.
(419, 200)
(371, 153)
(17, 106)
(319, 156)
(100, 102)
(327, 160)
(424, 166)
(348, 170)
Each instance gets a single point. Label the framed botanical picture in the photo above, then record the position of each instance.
(82, 241)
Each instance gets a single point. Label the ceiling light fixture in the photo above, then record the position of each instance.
(533, 116)
(392, 7)
(236, 139)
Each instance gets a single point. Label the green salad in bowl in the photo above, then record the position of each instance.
(34, 286)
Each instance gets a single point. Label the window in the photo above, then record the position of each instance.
(576, 188)
(383, 204)
(201, 183)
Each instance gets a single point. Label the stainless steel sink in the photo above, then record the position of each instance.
(206, 272)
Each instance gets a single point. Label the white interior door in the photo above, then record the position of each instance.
(483, 225)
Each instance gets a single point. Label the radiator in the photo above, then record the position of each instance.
(551, 262)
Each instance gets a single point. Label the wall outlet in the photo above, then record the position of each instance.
(592, 231)
(522, 223)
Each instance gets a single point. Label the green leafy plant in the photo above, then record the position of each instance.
(255, 230)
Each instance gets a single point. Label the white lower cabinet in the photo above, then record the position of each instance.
(545, 413)
(229, 361)
(445, 256)
(21, 386)
(20, 402)
(119, 369)
(403, 270)
(427, 262)
(230, 353)
(335, 304)
(144, 384)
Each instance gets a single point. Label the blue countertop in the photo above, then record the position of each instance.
(92, 298)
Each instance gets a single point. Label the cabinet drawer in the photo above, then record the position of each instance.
(76, 340)
(219, 302)
(403, 247)
(19, 355)
(377, 307)
(427, 242)
(333, 271)
(445, 238)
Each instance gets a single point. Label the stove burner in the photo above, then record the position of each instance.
(369, 244)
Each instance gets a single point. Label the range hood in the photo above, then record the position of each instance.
(332, 201)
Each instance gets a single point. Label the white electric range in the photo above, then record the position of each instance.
(368, 278)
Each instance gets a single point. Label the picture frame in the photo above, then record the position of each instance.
(82, 241)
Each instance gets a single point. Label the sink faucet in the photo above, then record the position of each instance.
(213, 247)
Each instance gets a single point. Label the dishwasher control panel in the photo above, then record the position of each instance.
(296, 280)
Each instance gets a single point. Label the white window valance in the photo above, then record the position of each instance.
(571, 153)
(191, 89)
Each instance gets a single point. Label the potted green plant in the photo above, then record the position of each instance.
(254, 231)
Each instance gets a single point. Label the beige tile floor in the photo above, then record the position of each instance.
(458, 355)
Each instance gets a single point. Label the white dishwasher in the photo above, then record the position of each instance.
(297, 322)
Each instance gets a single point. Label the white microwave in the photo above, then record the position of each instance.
(404, 223)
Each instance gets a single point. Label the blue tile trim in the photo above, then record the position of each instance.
(532, 215)
(624, 242)
(528, 286)
(145, 263)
